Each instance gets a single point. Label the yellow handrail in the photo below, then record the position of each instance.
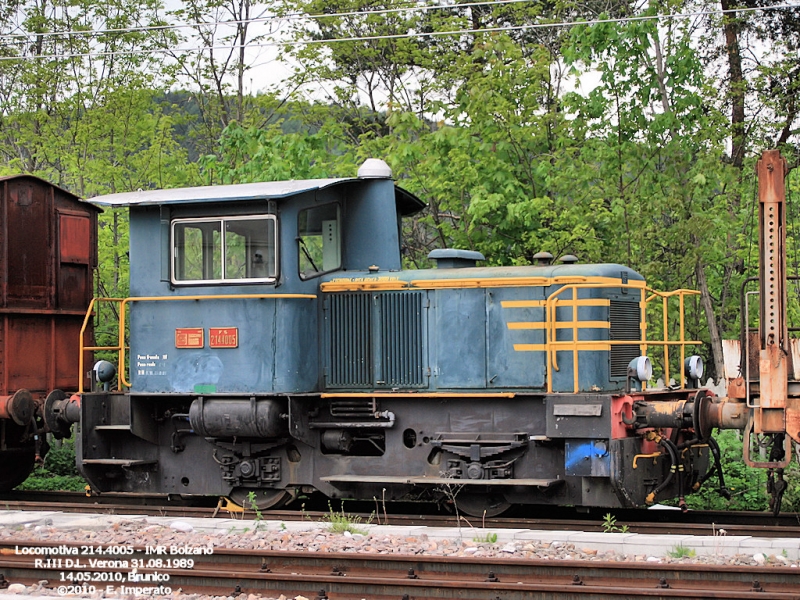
(123, 303)
(553, 346)
(83, 348)
(682, 342)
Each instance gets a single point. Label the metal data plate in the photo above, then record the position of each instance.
(579, 416)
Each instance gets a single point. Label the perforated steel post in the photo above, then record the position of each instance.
(773, 364)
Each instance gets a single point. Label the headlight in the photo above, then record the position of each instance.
(641, 368)
(104, 371)
(693, 367)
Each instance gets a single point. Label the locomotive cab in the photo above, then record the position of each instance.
(209, 264)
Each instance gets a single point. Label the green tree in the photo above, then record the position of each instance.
(679, 203)
(230, 34)
(58, 63)
(78, 105)
(271, 154)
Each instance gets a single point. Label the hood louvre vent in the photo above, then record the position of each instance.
(624, 319)
(389, 323)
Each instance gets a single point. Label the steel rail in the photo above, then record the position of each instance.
(642, 522)
(340, 576)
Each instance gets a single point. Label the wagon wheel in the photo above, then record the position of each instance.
(264, 499)
(15, 466)
(479, 505)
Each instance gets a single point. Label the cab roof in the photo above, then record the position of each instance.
(407, 203)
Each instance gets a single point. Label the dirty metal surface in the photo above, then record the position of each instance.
(49, 250)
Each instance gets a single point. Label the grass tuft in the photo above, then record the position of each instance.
(681, 551)
(340, 522)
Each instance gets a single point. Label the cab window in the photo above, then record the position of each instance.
(319, 246)
(224, 250)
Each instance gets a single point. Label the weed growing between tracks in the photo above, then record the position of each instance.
(377, 512)
(610, 525)
(487, 538)
(681, 551)
(251, 498)
(341, 522)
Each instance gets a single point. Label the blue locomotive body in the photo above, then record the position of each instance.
(277, 346)
(387, 330)
(278, 334)
(482, 328)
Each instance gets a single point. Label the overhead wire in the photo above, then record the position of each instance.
(287, 17)
(424, 34)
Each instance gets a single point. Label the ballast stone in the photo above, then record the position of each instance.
(182, 526)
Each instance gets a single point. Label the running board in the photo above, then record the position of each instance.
(390, 479)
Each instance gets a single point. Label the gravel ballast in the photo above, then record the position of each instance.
(318, 537)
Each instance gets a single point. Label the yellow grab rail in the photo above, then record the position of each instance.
(682, 342)
(83, 349)
(552, 346)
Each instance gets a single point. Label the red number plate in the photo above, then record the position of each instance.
(223, 337)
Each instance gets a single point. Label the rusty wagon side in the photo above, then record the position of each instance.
(48, 253)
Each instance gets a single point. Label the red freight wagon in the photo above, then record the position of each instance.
(48, 252)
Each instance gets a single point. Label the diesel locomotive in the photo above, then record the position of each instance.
(277, 347)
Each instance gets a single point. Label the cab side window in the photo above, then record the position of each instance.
(224, 250)
(318, 240)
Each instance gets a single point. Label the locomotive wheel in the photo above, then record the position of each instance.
(264, 499)
(15, 466)
(480, 505)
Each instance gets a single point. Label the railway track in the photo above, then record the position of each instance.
(345, 576)
(637, 521)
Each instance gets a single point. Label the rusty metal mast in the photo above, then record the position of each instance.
(774, 413)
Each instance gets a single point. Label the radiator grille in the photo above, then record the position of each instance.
(624, 318)
(401, 339)
(390, 324)
(351, 340)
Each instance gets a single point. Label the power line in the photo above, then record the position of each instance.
(299, 16)
(287, 17)
(423, 35)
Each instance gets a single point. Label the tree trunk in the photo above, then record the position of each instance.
(115, 240)
(737, 84)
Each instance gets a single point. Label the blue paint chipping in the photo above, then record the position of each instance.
(587, 458)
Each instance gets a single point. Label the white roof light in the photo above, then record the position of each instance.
(374, 168)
